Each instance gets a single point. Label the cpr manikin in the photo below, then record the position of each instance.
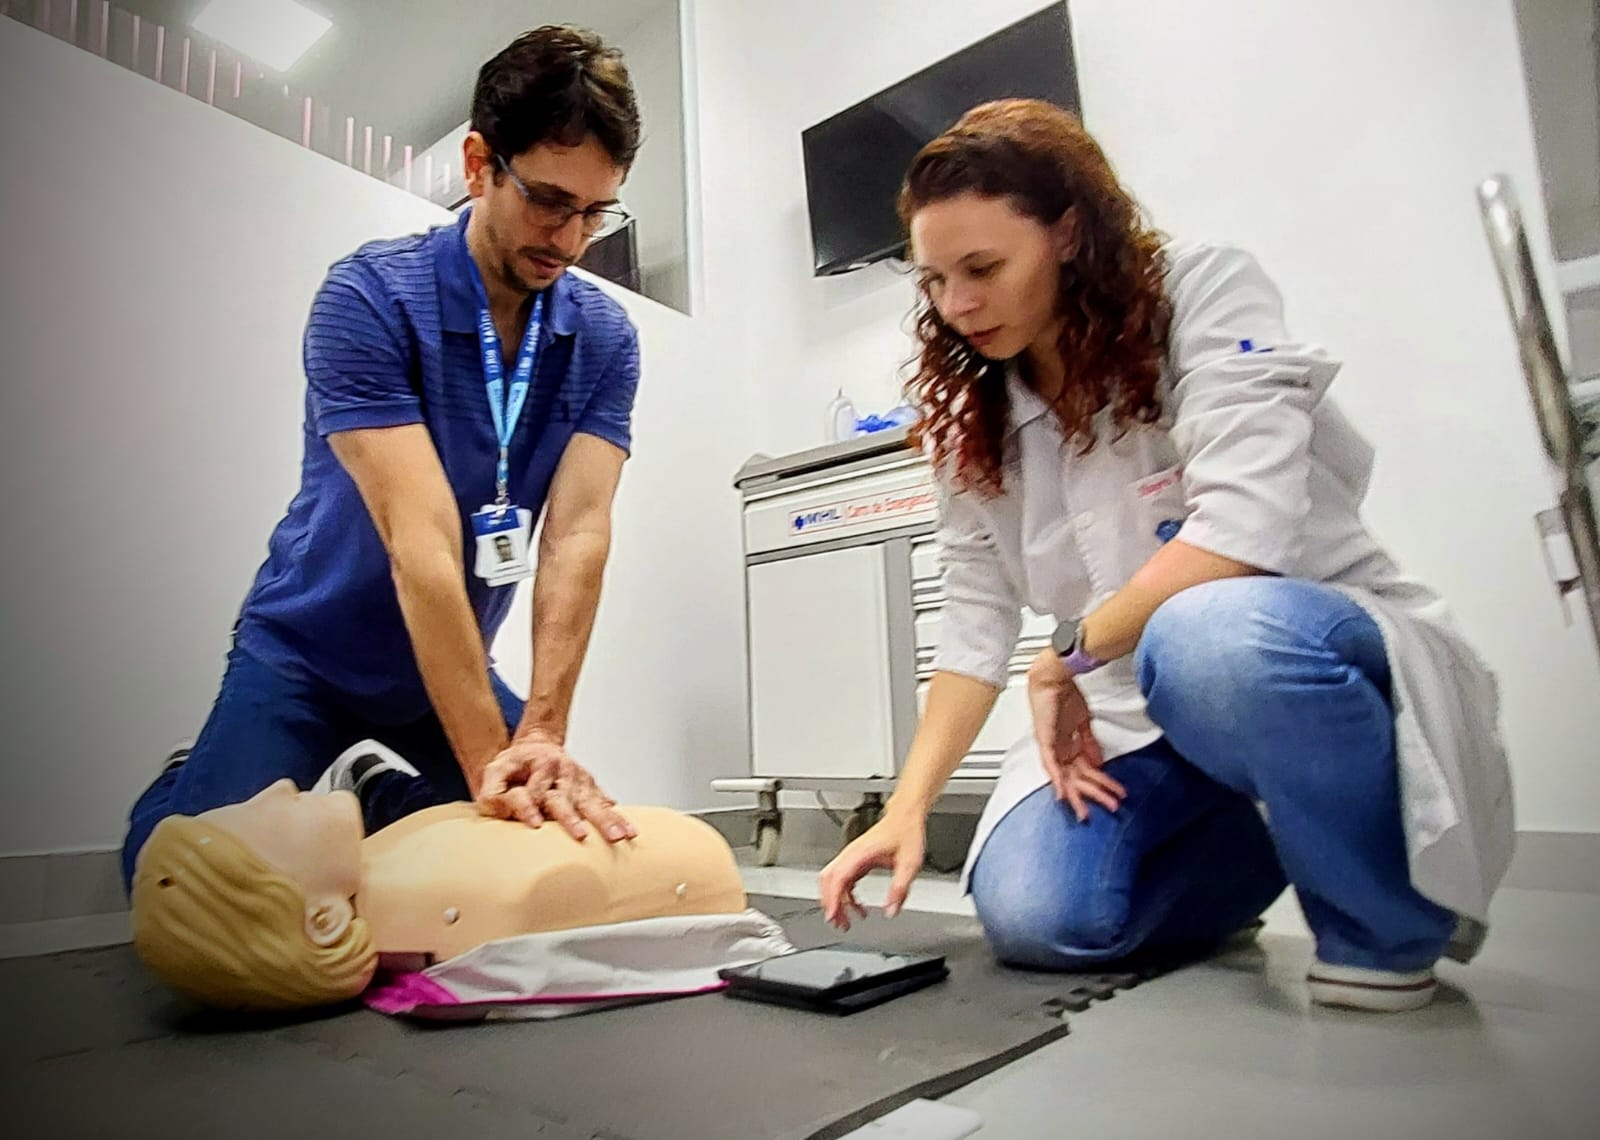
(280, 902)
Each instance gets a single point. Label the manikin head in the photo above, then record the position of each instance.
(249, 907)
(555, 127)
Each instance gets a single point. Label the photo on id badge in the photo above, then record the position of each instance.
(503, 536)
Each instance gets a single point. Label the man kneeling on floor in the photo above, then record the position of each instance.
(460, 383)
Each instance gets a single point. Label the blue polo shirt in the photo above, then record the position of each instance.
(393, 339)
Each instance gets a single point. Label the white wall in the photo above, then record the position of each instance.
(654, 192)
(1559, 45)
(1562, 61)
(435, 168)
(1562, 58)
(160, 258)
(660, 710)
(1340, 142)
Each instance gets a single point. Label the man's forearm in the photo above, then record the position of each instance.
(566, 594)
(451, 657)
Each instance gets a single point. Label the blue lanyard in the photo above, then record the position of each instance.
(504, 406)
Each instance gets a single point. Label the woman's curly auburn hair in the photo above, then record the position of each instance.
(1117, 314)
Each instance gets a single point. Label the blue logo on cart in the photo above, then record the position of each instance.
(817, 518)
(1168, 530)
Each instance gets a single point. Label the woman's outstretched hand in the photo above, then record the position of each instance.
(896, 843)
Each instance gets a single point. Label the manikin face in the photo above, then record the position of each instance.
(314, 841)
(992, 272)
(527, 250)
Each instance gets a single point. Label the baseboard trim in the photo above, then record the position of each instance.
(70, 884)
(53, 936)
(73, 899)
(1556, 861)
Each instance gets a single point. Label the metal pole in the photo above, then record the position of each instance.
(1548, 386)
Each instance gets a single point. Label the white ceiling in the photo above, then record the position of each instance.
(407, 67)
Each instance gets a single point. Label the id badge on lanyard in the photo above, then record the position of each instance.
(503, 535)
(504, 531)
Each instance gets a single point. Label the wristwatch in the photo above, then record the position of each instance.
(1067, 641)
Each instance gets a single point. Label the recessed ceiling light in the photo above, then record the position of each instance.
(274, 32)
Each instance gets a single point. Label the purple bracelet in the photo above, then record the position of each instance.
(1078, 662)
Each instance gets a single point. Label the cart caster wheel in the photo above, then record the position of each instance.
(860, 821)
(767, 837)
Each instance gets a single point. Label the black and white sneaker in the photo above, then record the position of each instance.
(360, 763)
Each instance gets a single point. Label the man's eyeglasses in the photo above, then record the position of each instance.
(552, 210)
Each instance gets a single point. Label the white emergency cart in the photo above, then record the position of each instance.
(842, 598)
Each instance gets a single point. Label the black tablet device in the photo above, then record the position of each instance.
(837, 978)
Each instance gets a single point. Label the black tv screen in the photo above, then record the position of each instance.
(856, 160)
(615, 257)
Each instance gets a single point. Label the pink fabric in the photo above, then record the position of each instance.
(407, 993)
(398, 993)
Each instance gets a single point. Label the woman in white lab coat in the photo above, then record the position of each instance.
(1243, 691)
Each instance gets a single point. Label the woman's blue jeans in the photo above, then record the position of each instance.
(1273, 694)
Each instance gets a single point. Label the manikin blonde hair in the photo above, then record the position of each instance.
(215, 921)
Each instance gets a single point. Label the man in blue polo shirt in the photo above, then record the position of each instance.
(460, 383)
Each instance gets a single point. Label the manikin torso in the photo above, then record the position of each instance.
(447, 880)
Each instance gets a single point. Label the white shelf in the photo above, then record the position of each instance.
(1580, 280)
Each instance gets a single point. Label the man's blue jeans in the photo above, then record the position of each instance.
(1270, 691)
(264, 727)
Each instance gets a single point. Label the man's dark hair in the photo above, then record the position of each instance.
(557, 85)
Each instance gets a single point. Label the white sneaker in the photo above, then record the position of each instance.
(359, 763)
(1376, 991)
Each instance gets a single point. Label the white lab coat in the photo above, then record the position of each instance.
(1261, 467)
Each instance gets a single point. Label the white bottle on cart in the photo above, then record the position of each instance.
(841, 419)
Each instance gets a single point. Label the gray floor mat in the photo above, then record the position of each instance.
(91, 1047)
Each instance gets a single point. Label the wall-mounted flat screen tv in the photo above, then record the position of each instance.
(855, 161)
